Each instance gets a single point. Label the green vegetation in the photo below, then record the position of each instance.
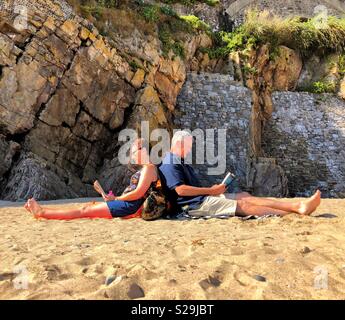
(296, 33)
(341, 65)
(323, 87)
(304, 35)
(168, 11)
(252, 70)
(169, 43)
(134, 65)
(196, 23)
(151, 13)
(320, 87)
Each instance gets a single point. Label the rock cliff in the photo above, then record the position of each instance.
(66, 91)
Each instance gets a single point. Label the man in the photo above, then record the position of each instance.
(183, 189)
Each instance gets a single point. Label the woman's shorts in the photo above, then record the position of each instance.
(119, 208)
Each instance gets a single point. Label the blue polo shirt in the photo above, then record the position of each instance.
(173, 173)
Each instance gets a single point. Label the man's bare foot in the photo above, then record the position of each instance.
(35, 208)
(309, 206)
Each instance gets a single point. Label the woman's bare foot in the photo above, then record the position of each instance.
(26, 206)
(309, 206)
(35, 208)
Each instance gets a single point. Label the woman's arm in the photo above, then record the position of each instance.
(147, 176)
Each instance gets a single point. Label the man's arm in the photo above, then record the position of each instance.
(189, 191)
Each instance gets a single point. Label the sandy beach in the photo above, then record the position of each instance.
(294, 257)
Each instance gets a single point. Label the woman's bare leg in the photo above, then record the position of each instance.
(86, 205)
(95, 211)
(247, 209)
(306, 207)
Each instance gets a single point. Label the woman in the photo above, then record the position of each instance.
(125, 205)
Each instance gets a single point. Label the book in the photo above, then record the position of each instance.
(99, 189)
(229, 178)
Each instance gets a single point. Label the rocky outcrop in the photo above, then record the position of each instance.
(35, 177)
(266, 75)
(267, 178)
(316, 69)
(287, 69)
(66, 91)
(8, 150)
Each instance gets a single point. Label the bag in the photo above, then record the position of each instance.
(156, 204)
(154, 207)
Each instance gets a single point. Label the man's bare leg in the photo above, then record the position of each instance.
(306, 207)
(247, 209)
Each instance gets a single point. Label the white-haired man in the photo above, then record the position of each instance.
(184, 191)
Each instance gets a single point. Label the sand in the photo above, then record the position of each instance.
(277, 258)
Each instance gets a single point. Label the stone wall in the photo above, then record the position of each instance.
(306, 134)
(307, 137)
(210, 101)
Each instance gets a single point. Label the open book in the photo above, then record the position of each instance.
(229, 178)
(99, 189)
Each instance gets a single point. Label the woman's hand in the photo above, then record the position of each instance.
(108, 198)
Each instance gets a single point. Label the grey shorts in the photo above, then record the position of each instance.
(222, 206)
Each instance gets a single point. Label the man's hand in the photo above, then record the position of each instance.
(217, 189)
